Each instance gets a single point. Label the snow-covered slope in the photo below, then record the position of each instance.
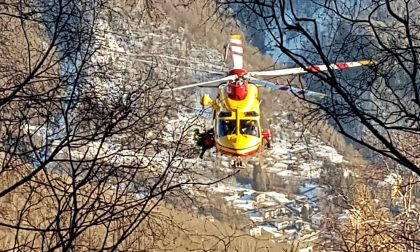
(286, 213)
(280, 210)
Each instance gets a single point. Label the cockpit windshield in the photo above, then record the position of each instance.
(249, 127)
(226, 127)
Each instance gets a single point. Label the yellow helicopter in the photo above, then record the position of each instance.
(237, 128)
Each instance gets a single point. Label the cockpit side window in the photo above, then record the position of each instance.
(226, 127)
(249, 127)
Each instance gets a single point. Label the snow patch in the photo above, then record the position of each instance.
(330, 153)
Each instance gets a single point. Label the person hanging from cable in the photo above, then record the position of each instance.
(205, 140)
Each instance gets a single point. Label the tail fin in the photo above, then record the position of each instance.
(237, 51)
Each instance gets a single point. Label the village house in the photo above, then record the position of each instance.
(317, 219)
(302, 225)
(255, 231)
(281, 223)
(271, 212)
(258, 197)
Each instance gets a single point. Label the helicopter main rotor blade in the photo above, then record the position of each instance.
(284, 88)
(227, 78)
(313, 69)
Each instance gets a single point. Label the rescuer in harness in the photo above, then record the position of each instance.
(205, 140)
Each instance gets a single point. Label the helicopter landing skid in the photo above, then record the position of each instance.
(237, 163)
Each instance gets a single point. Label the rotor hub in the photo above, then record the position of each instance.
(237, 92)
(238, 72)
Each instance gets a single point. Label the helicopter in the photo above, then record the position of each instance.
(236, 126)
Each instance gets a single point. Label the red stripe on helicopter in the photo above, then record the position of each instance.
(235, 154)
(313, 69)
(342, 66)
(236, 44)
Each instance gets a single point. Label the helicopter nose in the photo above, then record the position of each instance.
(233, 139)
(242, 141)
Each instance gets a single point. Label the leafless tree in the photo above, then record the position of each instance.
(376, 108)
(373, 107)
(86, 155)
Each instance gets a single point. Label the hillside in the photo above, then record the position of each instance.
(165, 229)
(96, 157)
(82, 195)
